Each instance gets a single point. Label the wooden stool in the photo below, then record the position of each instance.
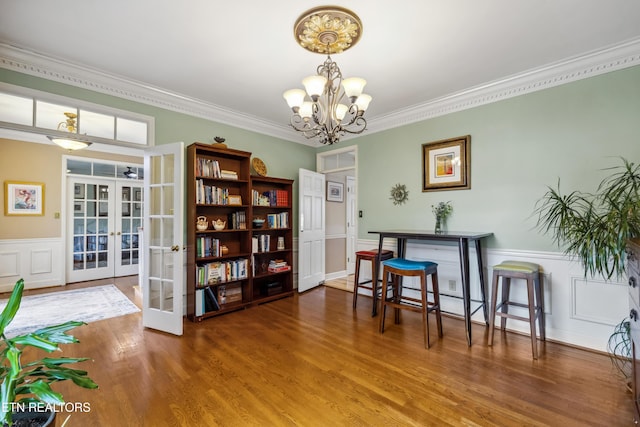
(400, 267)
(371, 255)
(532, 274)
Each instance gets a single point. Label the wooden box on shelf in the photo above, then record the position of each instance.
(218, 236)
(272, 238)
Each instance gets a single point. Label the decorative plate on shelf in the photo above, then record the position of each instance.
(259, 166)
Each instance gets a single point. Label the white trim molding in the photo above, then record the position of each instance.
(612, 58)
(38, 261)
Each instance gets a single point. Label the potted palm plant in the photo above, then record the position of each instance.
(596, 228)
(25, 388)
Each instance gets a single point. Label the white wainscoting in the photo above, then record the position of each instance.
(579, 311)
(38, 261)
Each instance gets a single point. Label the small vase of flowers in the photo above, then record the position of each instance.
(442, 210)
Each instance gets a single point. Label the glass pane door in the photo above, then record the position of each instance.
(162, 284)
(129, 221)
(91, 229)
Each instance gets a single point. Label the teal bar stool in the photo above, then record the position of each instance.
(392, 273)
(532, 275)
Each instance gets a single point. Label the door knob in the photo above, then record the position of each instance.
(175, 248)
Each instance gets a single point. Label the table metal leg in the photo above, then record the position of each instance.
(463, 246)
(482, 280)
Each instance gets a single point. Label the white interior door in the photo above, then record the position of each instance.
(311, 233)
(163, 281)
(91, 223)
(352, 224)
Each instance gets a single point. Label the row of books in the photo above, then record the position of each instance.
(208, 299)
(210, 168)
(207, 246)
(279, 220)
(270, 198)
(278, 265)
(237, 220)
(209, 194)
(207, 167)
(221, 272)
(261, 243)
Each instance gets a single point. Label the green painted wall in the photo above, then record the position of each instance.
(518, 147)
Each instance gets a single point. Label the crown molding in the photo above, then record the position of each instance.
(617, 57)
(623, 55)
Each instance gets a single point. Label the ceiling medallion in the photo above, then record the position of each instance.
(328, 29)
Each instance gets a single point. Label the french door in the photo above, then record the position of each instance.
(163, 278)
(103, 222)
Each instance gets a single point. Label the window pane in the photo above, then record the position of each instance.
(78, 167)
(15, 109)
(131, 131)
(49, 116)
(96, 124)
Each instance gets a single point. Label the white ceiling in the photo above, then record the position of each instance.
(236, 58)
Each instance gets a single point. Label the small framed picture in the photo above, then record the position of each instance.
(235, 199)
(23, 198)
(446, 164)
(335, 191)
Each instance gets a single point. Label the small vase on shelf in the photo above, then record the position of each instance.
(439, 224)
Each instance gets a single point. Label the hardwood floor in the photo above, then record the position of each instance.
(310, 360)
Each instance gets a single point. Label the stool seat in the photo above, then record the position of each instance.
(373, 252)
(375, 258)
(407, 264)
(531, 274)
(520, 266)
(393, 272)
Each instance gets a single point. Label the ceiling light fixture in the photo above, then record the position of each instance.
(320, 111)
(71, 142)
(130, 174)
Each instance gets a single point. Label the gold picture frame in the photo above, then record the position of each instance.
(23, 198)
(446, 164)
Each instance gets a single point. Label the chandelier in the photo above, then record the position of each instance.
(70, 142)
(330, 105)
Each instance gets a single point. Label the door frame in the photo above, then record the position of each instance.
(325, 167)
(64, 196)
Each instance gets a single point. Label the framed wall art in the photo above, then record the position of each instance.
(23, 198)
(446, 164)
(335, 191)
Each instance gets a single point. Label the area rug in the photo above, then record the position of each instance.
(86, 305)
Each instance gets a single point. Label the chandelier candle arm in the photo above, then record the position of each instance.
(330, 106)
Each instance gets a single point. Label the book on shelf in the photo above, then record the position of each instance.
(227, 174)
(279, 220)
(238, 220)
(217, 272)
(278, 265)
(199, 302)
(261, 243)
(209, 168)
(210, 194)
(211, 301)
(278, 198)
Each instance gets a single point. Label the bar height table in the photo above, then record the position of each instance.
(462, 238)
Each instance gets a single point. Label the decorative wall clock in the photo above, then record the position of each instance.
(399, 194)
(259, 166)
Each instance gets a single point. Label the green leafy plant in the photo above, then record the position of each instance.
(442, 211)
(30, 382)
(619, 347)
(596, 227)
